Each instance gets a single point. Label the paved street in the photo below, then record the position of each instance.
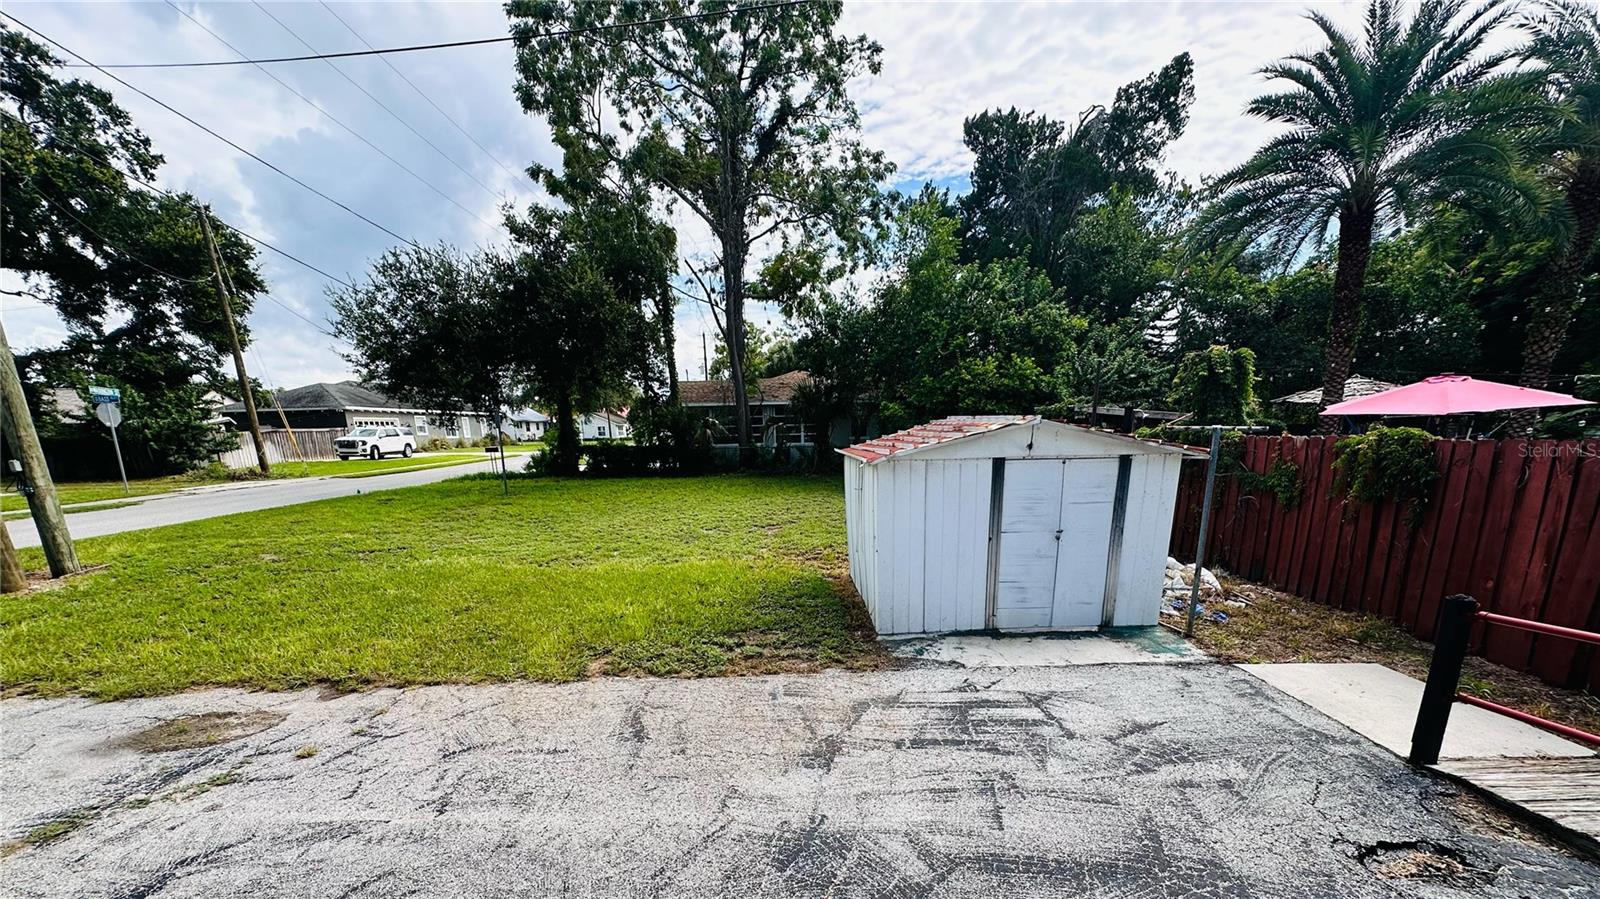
(210, 502)
(1103, 780)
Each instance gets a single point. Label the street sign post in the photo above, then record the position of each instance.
(110, 415)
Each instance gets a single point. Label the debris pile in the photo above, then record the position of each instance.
(1179, 584)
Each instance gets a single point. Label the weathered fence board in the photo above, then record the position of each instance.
(1514, 523)
(314, 444)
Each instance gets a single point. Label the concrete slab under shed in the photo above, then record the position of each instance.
(1132, 645)
(1381, 705)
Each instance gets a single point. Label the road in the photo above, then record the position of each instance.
(1127, 781)
(227, 499)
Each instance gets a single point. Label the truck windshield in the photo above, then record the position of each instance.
(364, 432)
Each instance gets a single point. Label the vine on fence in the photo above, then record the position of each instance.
(1387, 463)
(1283, 478)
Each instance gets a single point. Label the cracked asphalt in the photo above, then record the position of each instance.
(1123, 781)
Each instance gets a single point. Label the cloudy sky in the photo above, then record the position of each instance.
(942, 62)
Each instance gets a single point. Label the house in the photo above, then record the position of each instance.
(527, 424)
(771, 413)
(604, 425)
(349, 404)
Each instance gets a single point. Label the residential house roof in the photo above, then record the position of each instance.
(342, 396)
(778, 389)
(533, 416)
(1355, 387)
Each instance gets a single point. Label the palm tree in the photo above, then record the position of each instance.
(1564, 43)
(1384, 126)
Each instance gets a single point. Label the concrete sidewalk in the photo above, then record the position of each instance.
(1071, 781)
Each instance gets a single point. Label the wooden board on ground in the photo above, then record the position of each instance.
(1562, 791)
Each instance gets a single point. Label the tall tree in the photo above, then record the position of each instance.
(127, 270)
(1033, 177)
(429, 326)
(743, 117)
(581, 332)
(1384, 125)
(1564, 43)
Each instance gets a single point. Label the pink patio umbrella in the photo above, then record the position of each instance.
(1452, 395)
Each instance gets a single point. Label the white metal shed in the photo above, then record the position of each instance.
(1009, 522)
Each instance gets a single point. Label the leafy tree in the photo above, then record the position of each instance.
(744, 118)
(1110, 364)
(1217, 385)
(1033, 177)
(581, 334)
(1384, 125)
(128, 271)
(767, 354)
(431, 326)
(1564, 43)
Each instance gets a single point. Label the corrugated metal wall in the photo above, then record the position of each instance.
(919, 541)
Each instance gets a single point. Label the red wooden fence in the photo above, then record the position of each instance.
(1513, 523)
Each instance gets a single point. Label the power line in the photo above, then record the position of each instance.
(83, 151)
(447, 117)
(335, 119)
(385, 107)
(207, 130)
(612, 26)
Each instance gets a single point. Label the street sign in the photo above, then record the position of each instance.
(110, 415)
(98, 394)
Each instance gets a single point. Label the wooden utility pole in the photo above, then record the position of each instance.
(238, 354)
(11, 577)
(36, 484)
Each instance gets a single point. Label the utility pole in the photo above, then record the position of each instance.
(233, 336)
(705, 360)
(11, 577)
(34, 481)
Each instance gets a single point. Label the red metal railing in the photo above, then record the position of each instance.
(1456, 616)
(1538, 627)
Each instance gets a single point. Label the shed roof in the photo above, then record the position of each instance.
(1355, 386)
(949, 430)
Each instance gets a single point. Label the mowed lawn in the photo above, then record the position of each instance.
(453, 582)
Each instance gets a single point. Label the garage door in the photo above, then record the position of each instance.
(1055, 534)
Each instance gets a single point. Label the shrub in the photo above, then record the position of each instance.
(1387, 463)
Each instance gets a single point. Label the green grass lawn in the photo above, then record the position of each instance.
(452, 582)
(95, 491)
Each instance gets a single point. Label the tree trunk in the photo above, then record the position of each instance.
(567, 446)
(12, 579)
(1344, 316)
(733, 251)
(23, 440)
(664, 309)
(1552, 309)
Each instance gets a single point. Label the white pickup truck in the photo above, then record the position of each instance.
(375, 443)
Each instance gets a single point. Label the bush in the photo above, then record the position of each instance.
(1387, 463)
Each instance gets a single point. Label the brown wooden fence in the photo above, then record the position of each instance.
(1513, 523)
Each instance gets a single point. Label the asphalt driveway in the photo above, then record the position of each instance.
(227, 499)
(1108, 780)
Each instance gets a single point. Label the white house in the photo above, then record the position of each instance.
(604, 425)
(1011, 523)
(527, 424)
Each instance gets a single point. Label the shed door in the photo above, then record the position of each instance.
(1055, 534)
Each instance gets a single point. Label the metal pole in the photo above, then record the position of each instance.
(1444, 675)
(117, 445)
(1205, 524)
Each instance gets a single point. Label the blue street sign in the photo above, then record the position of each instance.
(99, 394)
